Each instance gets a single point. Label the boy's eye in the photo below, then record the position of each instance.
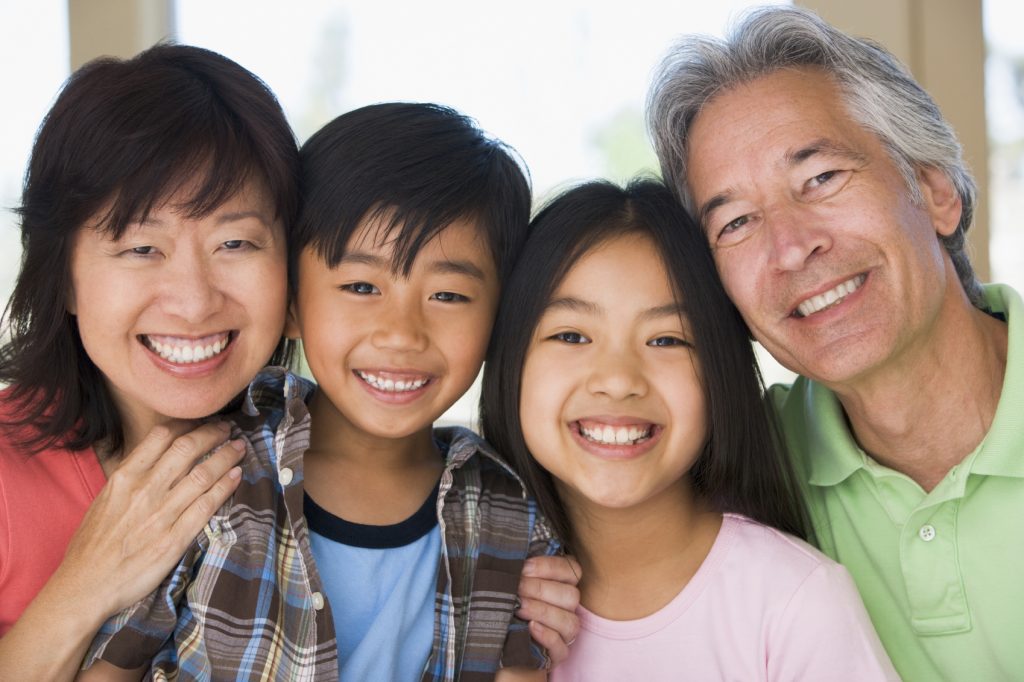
(361, 288)
(569, 337)
(663, 341)
(449, 297)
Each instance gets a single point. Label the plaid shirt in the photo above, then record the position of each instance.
(246, 601)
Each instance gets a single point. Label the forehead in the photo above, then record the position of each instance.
(379, 233)
(758, 126)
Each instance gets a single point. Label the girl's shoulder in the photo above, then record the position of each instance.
(759, 550)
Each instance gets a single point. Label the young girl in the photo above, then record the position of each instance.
(623, 386)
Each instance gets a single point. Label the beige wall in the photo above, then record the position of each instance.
(118, 28)
(943, 43)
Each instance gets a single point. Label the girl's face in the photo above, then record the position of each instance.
(612, 404)
(180, 313)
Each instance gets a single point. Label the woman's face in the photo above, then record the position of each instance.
(180, 313)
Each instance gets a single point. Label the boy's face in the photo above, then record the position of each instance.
(392, 352)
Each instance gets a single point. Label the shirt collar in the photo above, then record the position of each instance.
(835, 454)
(999, 454)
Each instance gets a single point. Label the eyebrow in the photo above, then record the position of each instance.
(441, 266)
(222, 219)
(822, 146)
(589, 308)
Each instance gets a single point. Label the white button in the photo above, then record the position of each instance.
(927, 533)
(285, 476)
(318, 601)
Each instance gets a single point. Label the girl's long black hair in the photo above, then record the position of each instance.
(742, 468)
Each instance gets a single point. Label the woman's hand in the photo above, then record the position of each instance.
(548, 596)
(153, 505)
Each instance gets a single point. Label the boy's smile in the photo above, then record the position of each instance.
(391, 352)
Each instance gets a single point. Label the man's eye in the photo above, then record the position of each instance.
(361, 288)
(570, 337)
(822, 178)
(449, 297)
(734, 225)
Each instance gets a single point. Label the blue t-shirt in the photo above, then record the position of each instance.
(381, 583)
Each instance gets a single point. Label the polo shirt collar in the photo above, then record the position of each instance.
(1000, 454)
(835, 455)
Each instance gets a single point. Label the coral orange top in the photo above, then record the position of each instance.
(43, 498)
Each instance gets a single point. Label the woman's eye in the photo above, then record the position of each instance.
(142, 250)
(449, 297)
(570, 337)
(235, 244)
(361, 288)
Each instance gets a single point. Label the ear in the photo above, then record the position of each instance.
(291, 323)
(941, 199)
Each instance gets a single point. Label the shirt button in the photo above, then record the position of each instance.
(285, 476)
(318, 601)
(927, 532)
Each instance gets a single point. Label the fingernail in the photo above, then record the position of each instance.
(528, 567)
(238, 444)
(235, 473)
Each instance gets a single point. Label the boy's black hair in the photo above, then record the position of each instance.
(122, 137)
(741, 468)
(416, 166)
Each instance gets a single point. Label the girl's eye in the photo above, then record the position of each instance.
(361, 288)
(449, 297)
(663, 341)
(570, 337)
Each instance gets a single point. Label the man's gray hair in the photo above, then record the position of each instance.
(878, 91)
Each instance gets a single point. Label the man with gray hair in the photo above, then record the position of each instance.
(835, 200)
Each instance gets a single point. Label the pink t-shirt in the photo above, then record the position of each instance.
(43, 498)
(762, 606)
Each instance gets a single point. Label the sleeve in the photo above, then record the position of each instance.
(824, 633)
(520, 649)
(132, 638)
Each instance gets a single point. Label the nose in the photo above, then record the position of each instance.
(400, 326)
(190, 287)
(797, 236)
(617, 374)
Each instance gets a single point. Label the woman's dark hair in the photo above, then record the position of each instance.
(123, 137)
(741, 468)
(416, 166)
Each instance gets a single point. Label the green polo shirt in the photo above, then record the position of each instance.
(941, 573)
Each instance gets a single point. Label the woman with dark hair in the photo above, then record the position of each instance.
(622, 385)
(152, 289)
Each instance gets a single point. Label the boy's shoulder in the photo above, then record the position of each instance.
(468, 451)
(273, 418)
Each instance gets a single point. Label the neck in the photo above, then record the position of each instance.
(636, 560)
(931, 407)
(363, 477)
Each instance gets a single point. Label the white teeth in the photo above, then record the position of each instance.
(185, 351)
(831, 297)
(390, 385)
(611, 435)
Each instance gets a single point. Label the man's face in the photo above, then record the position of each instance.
(835, 268)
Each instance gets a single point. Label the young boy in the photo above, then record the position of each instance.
(326, 560)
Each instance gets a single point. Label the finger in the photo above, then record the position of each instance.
(203, 477)
(563, 569)
(180, 457)
(558, 594)
(202, 508)
(557, 649)
(565, 623)
(155, 443)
